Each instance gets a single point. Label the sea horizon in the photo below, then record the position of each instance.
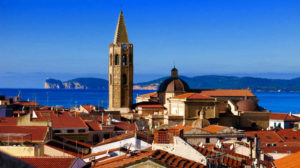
(277, 102)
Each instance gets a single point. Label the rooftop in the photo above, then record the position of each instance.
(31, 133)
(214, 128)
(153, 94)
(159, 156)
(283, 116)
(290, 161)
(49, 162)
(192, 96)
(228, 93)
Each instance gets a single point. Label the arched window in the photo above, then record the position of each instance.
(117, 60)
(124, 60)
(124, 79)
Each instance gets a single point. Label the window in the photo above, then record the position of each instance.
(117, 59)
(57, 131)
(124, 79)
(294, 138)
(268, 144)
(110, 80)
(274, 144)
(124, 60)
(279, 125)
(207, 140)
(269, 137)
(286, 138)
(81, 130)
(70, 131)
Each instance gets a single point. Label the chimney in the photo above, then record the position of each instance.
(166, 136)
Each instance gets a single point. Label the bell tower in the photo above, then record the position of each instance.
(120, 69)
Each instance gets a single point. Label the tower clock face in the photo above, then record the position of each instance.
(124, 46)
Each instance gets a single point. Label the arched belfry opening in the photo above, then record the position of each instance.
(124, 60)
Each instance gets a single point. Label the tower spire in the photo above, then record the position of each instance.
(121, 32)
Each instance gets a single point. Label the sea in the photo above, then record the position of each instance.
(277, 102)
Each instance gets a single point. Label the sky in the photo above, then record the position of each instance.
(70, 38)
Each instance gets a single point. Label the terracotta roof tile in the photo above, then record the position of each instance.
(185, 128)
(214, 128)
(8, 121)
(192, 96)
(227, 92)
(283, 116)
(94, 125)
(49, 162)
(158, 155)
(290, 161)
(68, 122)
(35, 133)
(126, 126)
(153, 94)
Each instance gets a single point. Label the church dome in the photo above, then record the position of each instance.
(246, 105)
(174, 83)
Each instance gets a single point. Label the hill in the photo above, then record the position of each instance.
(78, 83)
(232, 82)
(197, 82)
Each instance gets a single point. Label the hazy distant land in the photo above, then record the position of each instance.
(197, 82)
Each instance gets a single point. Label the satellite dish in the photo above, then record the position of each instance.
(231, 147)
(201, 144)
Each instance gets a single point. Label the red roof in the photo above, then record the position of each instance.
(35, 133)
(68, 122)
(48, 162)
(281, 141)
(290, 161)
(283, 116)
(185, 128)
(266, 136)
(227, 92)
(213, 128)
(5, 121)
(192, 96)
(126, 126)
(153, 94)
(94, 125)
(160, 156)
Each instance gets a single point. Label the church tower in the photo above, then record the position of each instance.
(120, 69)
